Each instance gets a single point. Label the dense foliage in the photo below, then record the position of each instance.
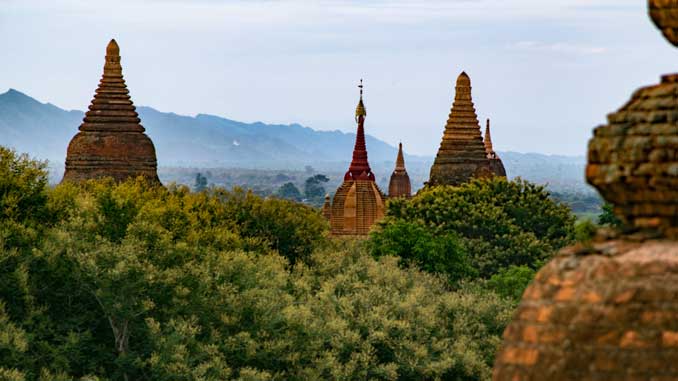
(608, 218)
(105, 281)
(496, 222)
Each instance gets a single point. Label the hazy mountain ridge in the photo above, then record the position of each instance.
(44, 130)
(207, 141)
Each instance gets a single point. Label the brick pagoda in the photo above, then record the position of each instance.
(111, 141)
(358, 202)
(400, 185)
(462, 154)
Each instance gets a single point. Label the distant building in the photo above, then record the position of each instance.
(462, 154)
(111, 142)
(400, 185)
(358, 202)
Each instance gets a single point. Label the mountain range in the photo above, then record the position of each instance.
(207, 141)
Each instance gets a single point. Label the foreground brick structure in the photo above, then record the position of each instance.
(111, 142)
(400, 185)
(608, 310)
(462, 154)
(358, 202)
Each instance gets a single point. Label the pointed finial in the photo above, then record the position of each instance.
(463, 80)
(400, 159)
(489, 149)
(360, 110)
(112, 49)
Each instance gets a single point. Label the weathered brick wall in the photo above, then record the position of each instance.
(604, 312)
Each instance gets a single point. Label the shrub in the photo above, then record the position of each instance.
(499, 223)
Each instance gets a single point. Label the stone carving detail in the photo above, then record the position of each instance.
(608, 309)
(110, 141)
(400, 185)
(462, 154)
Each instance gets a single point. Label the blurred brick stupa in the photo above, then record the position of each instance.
(358, 202)
(462, 154)
(111, 142)
(400, 185)
(496, 166)
(608, 310)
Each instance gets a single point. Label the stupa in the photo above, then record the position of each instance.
(496, 166)
(462, 153)
(608, 309)
(358, 202)
(111, 141)
(400, 185)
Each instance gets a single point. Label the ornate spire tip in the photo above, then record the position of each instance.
(112, 49)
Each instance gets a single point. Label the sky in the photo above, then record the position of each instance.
(545, 71)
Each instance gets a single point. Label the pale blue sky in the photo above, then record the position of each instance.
(545, 71)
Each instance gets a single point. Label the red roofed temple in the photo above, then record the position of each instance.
(358, 202)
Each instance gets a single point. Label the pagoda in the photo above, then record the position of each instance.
(608, 309)
(111, 141)
(462, 154)
(358, 202)
(496, 166)
(400, 185)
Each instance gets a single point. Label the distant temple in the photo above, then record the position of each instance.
(400, 185)
(496, 166)
(463, 154)
(358, 202)
(111, 142)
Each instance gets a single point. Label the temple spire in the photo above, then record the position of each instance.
(488, 141)
(400, 160)
(360, 167)
(400, 185)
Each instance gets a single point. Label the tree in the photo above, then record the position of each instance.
(289, 191)
(201, 286)
(608, 218)
(313, 188)
(499, 222)
(511, 282)
(416, 245)
(200, 182)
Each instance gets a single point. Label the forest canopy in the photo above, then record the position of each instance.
(127, 281)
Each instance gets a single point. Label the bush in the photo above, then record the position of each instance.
(511, 282)
(416, 245)
(499, 223)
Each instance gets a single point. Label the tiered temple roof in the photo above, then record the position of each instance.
(496, 164)
(608, 309)
(462, 154)
(111, 141)
(400, 185)
(358, 202)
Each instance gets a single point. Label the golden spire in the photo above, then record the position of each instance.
(360, 110)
